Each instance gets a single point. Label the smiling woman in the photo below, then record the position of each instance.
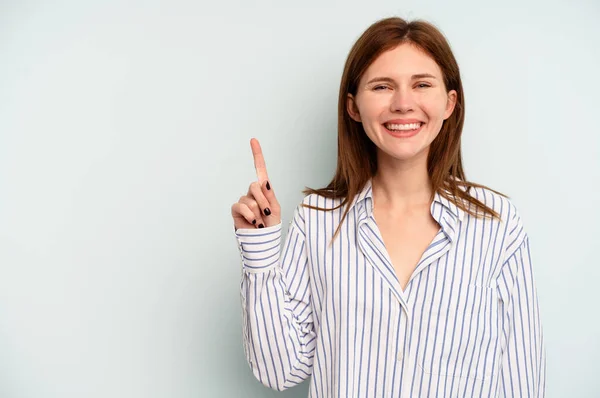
(390, 87)
(399, 278)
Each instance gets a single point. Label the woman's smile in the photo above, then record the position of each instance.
(403, 130)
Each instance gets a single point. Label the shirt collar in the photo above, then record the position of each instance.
(444, 211)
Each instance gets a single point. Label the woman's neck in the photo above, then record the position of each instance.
(402, 186)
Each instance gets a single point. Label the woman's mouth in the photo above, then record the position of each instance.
(403, 130)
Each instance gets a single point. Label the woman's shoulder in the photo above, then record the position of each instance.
(509, 225)
(496, 200)
(510, 220)
(314, 206)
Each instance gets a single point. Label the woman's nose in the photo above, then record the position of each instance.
(402, 101)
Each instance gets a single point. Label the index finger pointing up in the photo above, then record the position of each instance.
(259, 161)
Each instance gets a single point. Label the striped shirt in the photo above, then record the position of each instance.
(466, 325)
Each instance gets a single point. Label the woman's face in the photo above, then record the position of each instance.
(401, 102)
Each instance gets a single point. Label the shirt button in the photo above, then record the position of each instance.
(400, 356)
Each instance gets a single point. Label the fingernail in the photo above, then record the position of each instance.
(253, 222)
(260, 226)
(268, 186)
(267, 212)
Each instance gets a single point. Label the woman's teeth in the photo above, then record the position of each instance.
(403, 127)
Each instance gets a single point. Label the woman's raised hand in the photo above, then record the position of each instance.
(259, 208)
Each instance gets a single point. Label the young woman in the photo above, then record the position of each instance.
(400, 278)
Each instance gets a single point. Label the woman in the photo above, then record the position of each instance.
(400, 278)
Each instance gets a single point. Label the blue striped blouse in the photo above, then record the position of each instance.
(466, 325)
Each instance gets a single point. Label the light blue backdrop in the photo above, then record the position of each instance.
(124, 140)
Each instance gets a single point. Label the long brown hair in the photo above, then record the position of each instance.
(357, 155)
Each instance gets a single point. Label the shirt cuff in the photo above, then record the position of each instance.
(259, 247)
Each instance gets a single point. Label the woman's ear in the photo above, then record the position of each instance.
(450, 104)
(352, 108)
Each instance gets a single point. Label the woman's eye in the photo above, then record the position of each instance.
(423, 85)
(379, 88)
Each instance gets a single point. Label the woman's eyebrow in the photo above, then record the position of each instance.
(423, 75)
(390, 80)
(381, 79)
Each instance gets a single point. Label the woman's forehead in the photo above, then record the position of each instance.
(403, 61)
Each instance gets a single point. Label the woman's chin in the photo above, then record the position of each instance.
(405, 153)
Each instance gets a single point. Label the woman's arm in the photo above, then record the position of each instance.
(279, 337)
(523, 369)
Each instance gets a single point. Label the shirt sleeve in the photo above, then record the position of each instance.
(523, 368)
(278, 331)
